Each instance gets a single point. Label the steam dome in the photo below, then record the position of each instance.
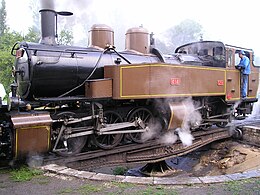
(137, 39)
(101, 35)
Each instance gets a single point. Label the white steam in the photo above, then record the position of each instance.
(256, 111)
(189, 117)
(34, 161)
(47, 4)
(154, 130)
(168, 138)
(185, 136)
(192, 117)
(236, 105)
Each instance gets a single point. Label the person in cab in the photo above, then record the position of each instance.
(244, 67)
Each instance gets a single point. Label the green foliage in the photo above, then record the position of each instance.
(33, 35)
(185, 32)
(66, 191)
(65, 37)
(3, 26)
(5, 69)
(35, 7)
(43, 180)
(7, 41)
(120, 188)
(85, 189)
(89, 188)
(24, 174)
(122, 185)
(120, 170)
(234, 187)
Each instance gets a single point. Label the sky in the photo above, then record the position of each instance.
(234, 22)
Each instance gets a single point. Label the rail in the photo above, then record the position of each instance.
(148, 152)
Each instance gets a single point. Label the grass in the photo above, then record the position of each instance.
(2, 185)
(234, 187)
(89, 189)
(24, 174)
(4, 171)
(43, 181)
(149, 189)
(120, 188)
(122, 185)
(85, 189)
(158, 190)
(120, 171)
(66, 191)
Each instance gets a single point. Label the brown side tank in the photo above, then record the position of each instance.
(101, 35)
(137, 39)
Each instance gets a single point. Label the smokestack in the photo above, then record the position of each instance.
(48, 26)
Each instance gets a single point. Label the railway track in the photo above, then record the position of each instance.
(149, 152)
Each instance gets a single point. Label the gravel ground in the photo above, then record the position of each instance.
(57, 184)
(53, 183)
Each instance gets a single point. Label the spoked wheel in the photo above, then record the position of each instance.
(111, 140)
(239, 116)
(222, 124)
(205, 127)
(145, 115)
(70, 146)
(7, 148)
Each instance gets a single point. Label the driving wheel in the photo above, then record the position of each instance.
(109, 141)
(145, 115)
(70, 146)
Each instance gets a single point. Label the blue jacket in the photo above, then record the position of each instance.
(245, 65)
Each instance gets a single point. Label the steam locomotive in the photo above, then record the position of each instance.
(66, 99)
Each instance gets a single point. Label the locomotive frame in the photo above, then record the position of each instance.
(103, 98)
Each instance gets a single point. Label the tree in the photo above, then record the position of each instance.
(5, 70)
(7, 40)
(65, 37)
(35, 7)
(33, 35)
(2, 18)
(185, 32)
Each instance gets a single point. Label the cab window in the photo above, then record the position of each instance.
(230, 58)
(237, 58)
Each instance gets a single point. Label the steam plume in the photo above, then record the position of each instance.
(154, 130)
(47, 4)
(168, 138)
(190, 117)
(185, 136)
(256, 110)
